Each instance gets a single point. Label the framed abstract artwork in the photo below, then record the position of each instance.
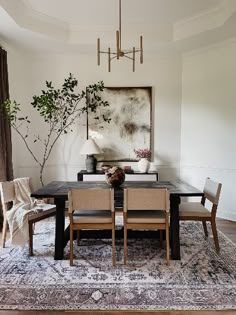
(130, 110)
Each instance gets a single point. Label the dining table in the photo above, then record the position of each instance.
(59, 191)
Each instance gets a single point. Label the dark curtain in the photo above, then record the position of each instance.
(6, 169)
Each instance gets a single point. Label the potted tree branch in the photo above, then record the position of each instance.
(60, 109)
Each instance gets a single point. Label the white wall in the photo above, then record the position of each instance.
(28, 73)
(205, 122)
(208, 126)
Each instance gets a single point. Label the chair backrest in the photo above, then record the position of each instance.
(91, 199)
(212, 191)
(146, 199)
(7, 191)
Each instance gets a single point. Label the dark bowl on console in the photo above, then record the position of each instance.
(115, 176)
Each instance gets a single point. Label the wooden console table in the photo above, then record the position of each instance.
(129, 177)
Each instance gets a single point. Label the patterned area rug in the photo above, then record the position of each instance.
(202, 280)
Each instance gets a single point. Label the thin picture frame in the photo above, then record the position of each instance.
(130, 110)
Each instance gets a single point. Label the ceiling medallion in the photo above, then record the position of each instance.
(120, 52)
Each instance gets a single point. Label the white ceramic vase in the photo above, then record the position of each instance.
(143, 165)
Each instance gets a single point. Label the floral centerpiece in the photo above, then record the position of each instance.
(144, 155)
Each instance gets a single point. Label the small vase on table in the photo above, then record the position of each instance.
(143, 165)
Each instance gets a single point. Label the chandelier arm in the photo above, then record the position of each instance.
(131, 51)
(128, 57)
(105, 52)
(113, 57)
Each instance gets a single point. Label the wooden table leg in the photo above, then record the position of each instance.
(174, 227)
(60, 227)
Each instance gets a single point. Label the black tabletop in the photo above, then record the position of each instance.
(59, 189)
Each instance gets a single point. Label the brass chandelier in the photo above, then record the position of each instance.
(120, 52)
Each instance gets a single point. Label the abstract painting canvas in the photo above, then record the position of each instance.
(130, 128)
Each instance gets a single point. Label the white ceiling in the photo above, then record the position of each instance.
(99, 12)
(74, 25)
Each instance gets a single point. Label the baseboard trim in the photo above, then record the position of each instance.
(227, 216)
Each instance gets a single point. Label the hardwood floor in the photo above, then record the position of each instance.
(227, 227)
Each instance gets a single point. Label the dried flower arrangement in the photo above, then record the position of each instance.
(143, 153)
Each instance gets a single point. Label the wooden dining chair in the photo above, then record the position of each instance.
(7, 195)
(91, 208)
(146, 208)
(197, 211)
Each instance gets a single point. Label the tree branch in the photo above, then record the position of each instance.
(27, 146)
